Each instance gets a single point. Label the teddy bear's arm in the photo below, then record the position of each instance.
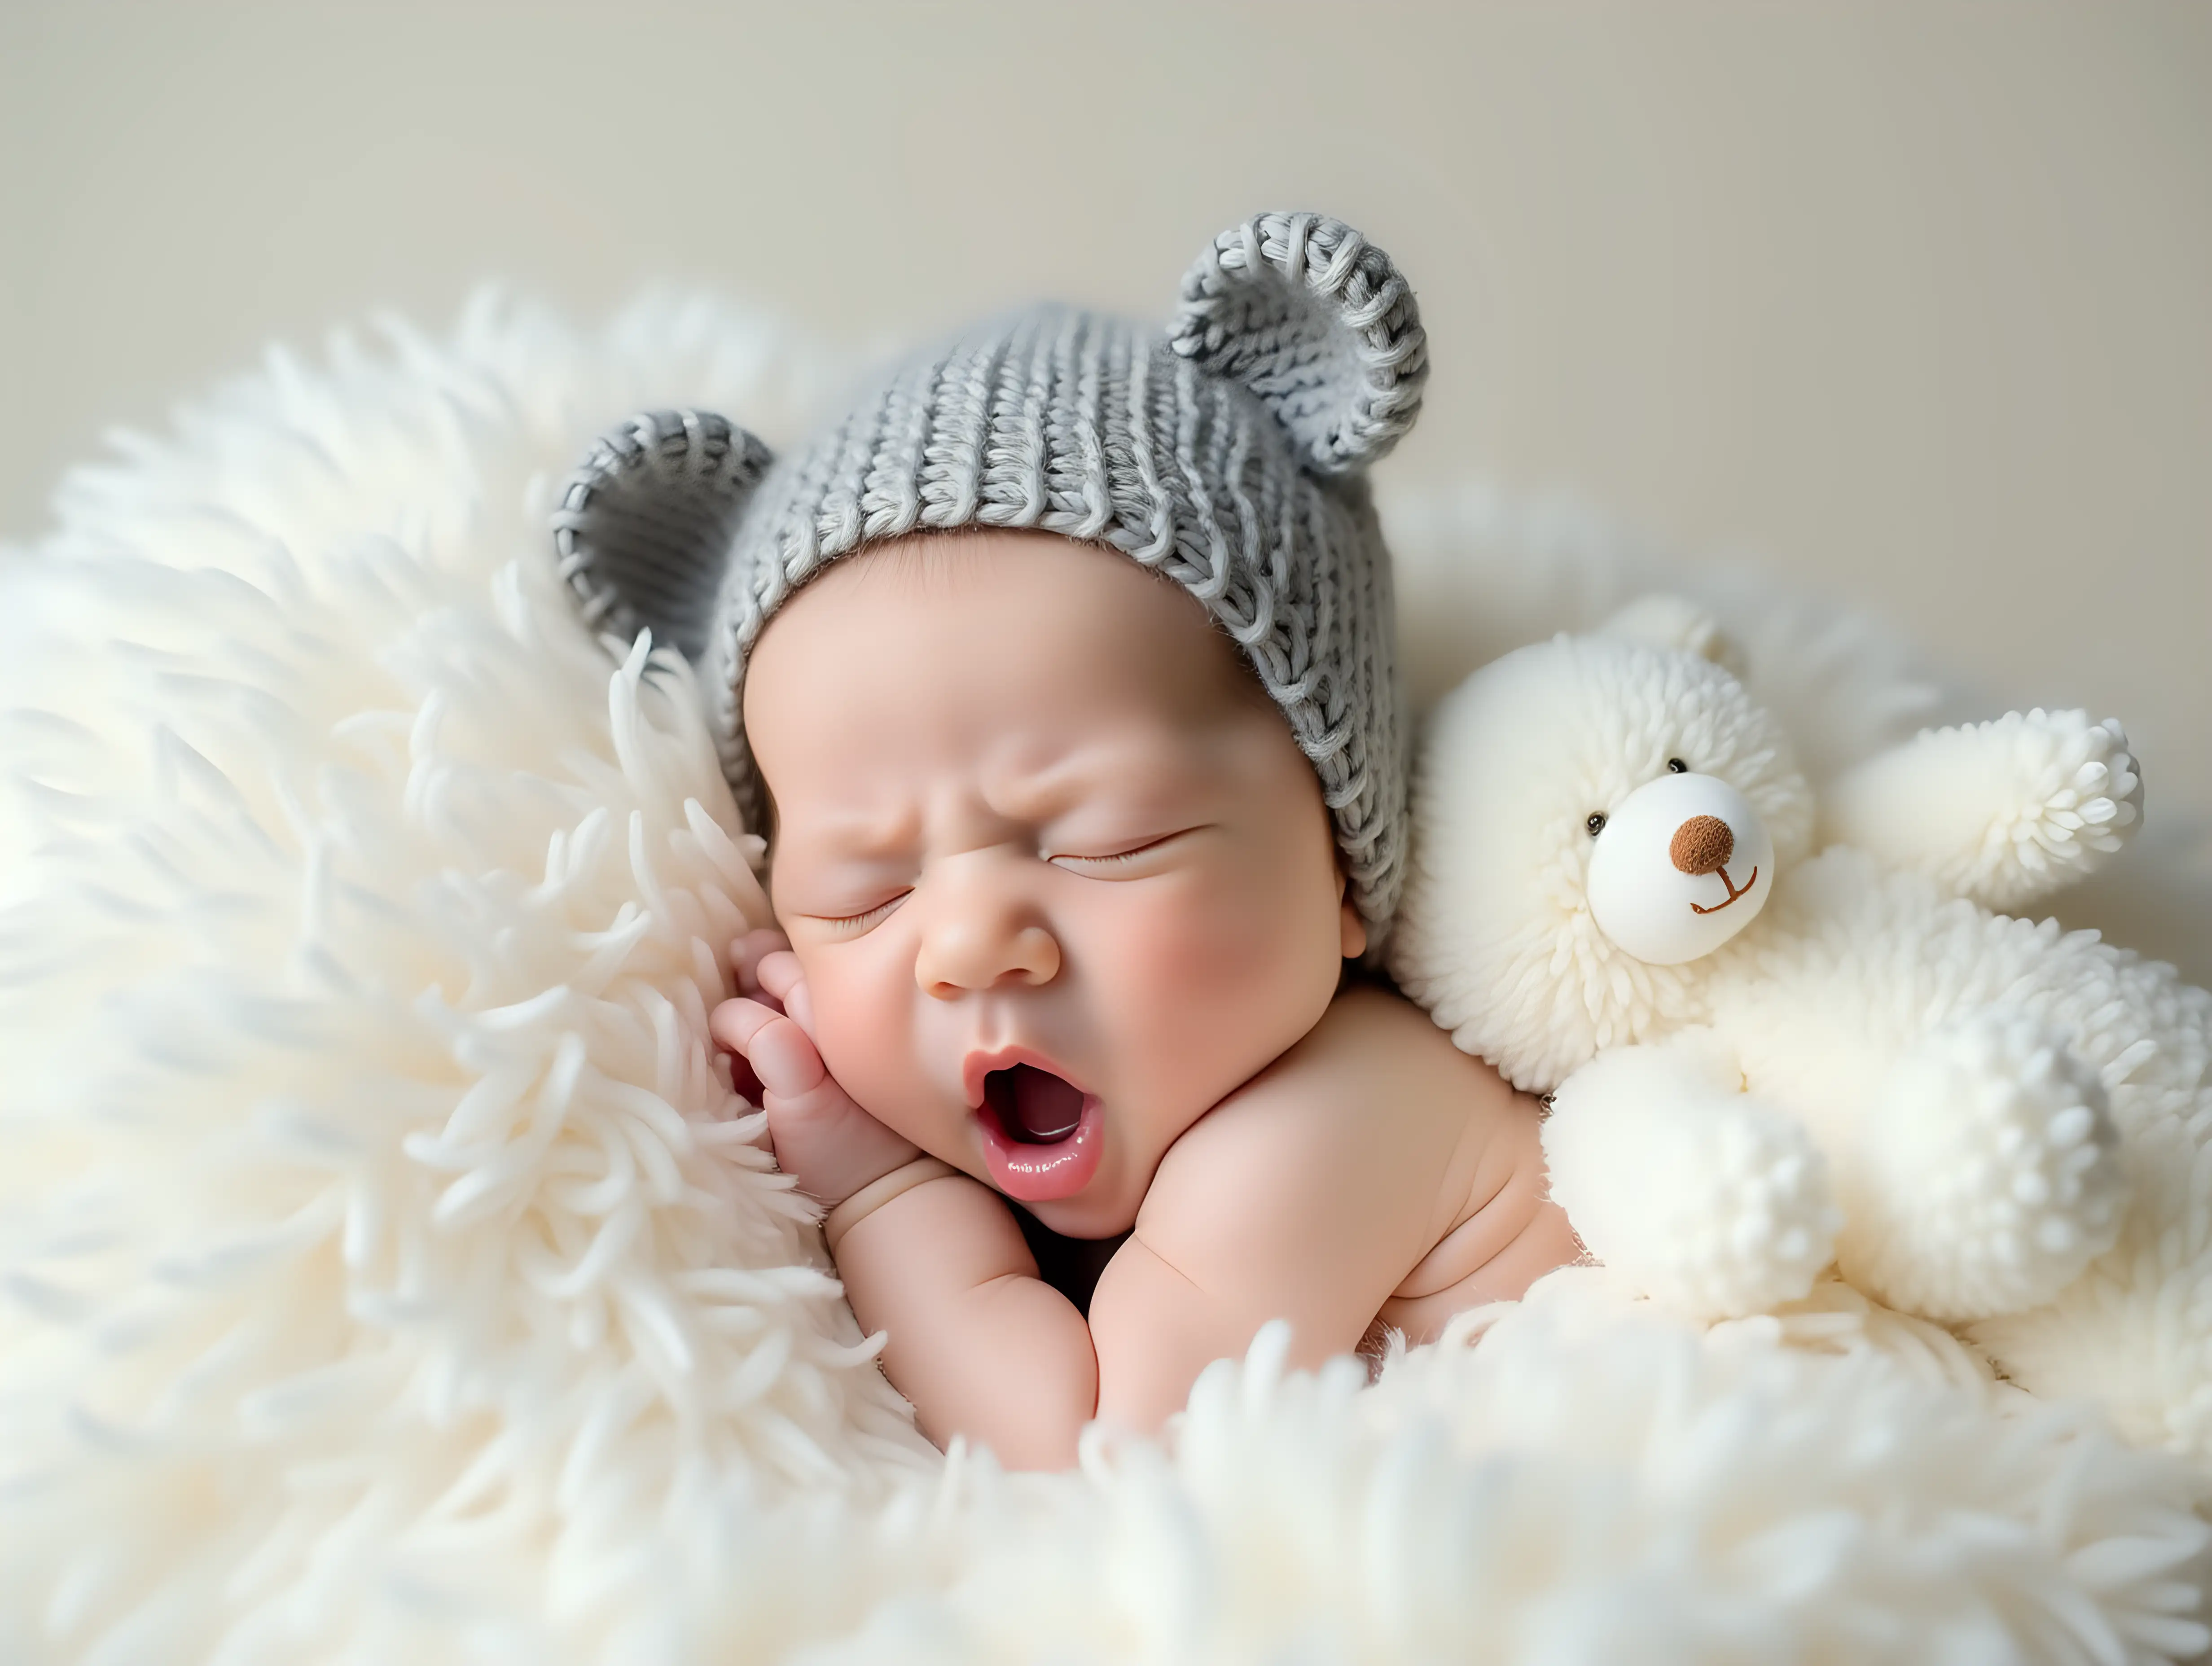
(1708, 1201)
(2001, 813)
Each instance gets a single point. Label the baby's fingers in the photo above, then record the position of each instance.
(746, 953)
(778, 1049)
(781, 976)
(824, 1140)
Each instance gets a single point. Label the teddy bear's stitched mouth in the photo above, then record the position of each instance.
(1734, 891)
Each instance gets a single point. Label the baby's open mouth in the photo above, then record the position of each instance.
(1042, 1136)
(1033, 1106)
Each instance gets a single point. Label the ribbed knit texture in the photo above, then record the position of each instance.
(1227, 454)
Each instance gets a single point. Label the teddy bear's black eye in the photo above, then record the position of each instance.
(1675, 766)
(1595, 824)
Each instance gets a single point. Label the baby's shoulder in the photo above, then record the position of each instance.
(1373, 1016)
(1373, 1110)
(1376, 1051)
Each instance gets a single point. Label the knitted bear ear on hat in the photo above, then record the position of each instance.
(1320, 324)
(646, 523)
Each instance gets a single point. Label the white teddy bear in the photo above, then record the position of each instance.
(1761, 1059)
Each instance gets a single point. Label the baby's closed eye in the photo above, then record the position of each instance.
(1119, 857)
(862, 919)
(844, 892)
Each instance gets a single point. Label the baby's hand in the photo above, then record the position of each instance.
(821, 1139)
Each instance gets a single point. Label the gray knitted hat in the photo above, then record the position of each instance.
(1227, 454)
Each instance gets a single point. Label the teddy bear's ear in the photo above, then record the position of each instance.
(1319, 323)
(1678, 624)
(645, 525)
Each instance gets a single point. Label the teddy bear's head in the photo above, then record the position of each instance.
(1592, 817)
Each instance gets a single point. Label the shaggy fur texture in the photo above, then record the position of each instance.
(387, 1272)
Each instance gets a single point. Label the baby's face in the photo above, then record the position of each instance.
(1058, 876)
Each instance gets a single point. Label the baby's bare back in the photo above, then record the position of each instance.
(1372, 1171)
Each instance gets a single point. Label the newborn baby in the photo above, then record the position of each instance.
(1059, 671)
(1066, 915)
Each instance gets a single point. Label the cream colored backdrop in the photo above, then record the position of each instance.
(1909, 301)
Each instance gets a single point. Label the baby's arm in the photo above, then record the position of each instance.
(979, 1345)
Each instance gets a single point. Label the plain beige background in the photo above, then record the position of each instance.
(1909, 301)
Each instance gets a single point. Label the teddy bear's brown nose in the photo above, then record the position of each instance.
(1702, 844)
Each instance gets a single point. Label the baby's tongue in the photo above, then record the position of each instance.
(1034, 1105)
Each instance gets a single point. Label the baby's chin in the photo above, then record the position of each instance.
(1085, 1216)
(1135, 1147)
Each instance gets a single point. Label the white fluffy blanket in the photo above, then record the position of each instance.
(387, 1273)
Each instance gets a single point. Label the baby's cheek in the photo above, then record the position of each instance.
(1217, 983)
(861, 1026)
(1191, 944)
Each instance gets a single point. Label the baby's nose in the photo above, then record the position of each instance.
(970, 952)
(1702, 844)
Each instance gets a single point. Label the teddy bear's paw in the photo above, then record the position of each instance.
(1987, 1176)
(2084, 792)
(1734, 1218)
(1766, 1223)
(2076, 798)
(2003, 813)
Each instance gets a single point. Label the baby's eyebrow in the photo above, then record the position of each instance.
(1038, 795)
(860, 833)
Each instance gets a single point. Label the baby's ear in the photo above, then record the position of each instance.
(646, 523)
(1678, 624)
(1316, 320)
